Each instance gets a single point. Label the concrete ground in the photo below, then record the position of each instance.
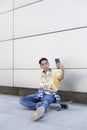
(13, 116)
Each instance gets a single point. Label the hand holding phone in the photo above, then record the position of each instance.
(57, 61)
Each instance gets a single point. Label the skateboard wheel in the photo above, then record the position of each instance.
(65, 106)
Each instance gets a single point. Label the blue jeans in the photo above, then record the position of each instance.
(32, 101)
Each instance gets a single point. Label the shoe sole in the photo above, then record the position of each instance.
(38, 114)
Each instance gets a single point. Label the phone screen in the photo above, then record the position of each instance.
(57, 60)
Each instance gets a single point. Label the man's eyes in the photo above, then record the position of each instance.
(44, 64)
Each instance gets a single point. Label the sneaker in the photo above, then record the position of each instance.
(38, 114)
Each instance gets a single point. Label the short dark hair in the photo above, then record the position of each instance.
(42, 60)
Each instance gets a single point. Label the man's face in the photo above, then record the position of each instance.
(44, 65)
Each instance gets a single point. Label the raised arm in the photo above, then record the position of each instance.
(61, 76)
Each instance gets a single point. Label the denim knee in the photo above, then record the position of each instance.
(45, 104)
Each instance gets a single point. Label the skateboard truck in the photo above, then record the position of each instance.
(63, 105)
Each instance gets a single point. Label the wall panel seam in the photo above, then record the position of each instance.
(20, 7)
(46, 33)
(38, 68)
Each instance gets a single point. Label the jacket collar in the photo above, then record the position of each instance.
(48, 70)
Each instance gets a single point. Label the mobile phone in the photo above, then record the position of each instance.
(57, 60)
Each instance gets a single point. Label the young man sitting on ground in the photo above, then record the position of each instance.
(46, 94)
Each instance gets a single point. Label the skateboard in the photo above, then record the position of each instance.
(63, 105)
